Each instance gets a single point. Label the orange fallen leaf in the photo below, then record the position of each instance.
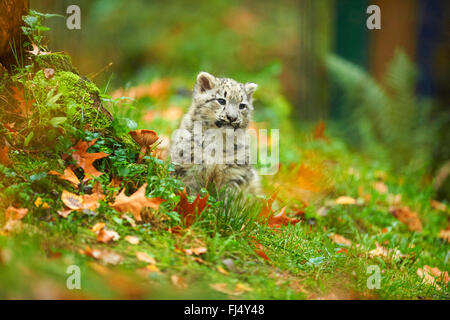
(381, 187)
(85, 160)
(438, 205)
(431, 276)
(340, 240)
(197, 251)
(281, 219)
(24, 104)
(345, 200)
(178, 282)
(13, 213)
(144, 257)
(4, 157)
(132, 239)
(259, 250)
(68, 175)
(445, 234)
(109, 257)
(266, 210)
(223, 288)
(381, 251)
(408, 217)
(190, 211)
(103, 234)
(76, 202)
(135, 203)
(319, 131)
(222, 270)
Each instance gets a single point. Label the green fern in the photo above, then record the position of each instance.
(387, 119)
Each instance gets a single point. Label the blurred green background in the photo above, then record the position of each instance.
(385, 92)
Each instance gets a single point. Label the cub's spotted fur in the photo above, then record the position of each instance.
(226, 106)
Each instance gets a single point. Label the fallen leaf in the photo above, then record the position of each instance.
(109, 257)
(178, 282)
(144, 257)
(345, 200)
(340, 240)
(381, 251)
(445, 234)
(81, 202)
(13, 213)
(4, 157)
(381, 187)
(105, 235)
(259, 250)
(223, 288)
(129, 220)
(196, 251)
(438, 205)
(408, 217)
(431, 276)
(24, 104)
(135, 203)
(132, 239)
(281, 219)
(189, 211)
(319, 132)
(85, 160)
(68, 175)
(222, 270)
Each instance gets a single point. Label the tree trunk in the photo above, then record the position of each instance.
(11, 12)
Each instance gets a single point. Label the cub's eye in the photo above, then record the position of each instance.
(222, 101)
(242, 106)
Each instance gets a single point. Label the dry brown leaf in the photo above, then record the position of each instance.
(345, 200)
(85, 160)
(381, 251)
(144, 257)
(223, 288)
(222, 270)
(381, 187)
(68, 175)
(106, 256)
(432, 275)
(135, 203)
(4, 157)
(438, 205)
(76, 202)
(13, 213)
(445, 234)
(408, 217)
(24, 104)
(197, 251)
(132, 239)
(340, 240)
(178, 282)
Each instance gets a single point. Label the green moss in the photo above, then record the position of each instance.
(56, 61)
(77, 96)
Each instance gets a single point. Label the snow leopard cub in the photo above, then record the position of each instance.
(221, 108)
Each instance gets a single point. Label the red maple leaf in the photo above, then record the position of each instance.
(189, 211)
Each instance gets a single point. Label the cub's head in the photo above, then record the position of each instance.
(222, 102)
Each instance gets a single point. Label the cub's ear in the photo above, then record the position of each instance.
(205, 81)
(250, 88)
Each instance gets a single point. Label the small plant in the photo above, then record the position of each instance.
(34, 28)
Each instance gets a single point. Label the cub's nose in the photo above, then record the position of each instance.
(231, 117)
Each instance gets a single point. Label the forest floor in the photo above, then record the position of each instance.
(333, 224)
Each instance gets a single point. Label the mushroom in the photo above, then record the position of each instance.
(145, 139)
